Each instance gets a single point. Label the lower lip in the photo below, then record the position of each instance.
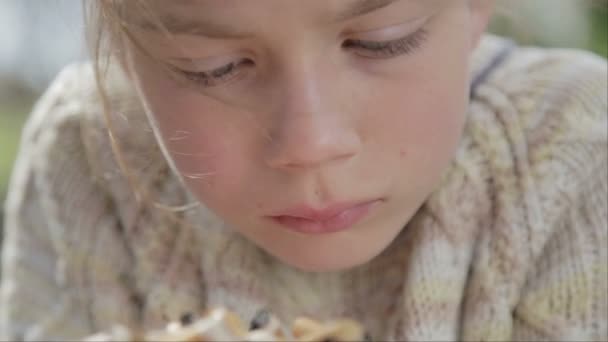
(340, 222)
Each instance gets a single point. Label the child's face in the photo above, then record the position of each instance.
(300, 106)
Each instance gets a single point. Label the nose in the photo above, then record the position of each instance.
(310, 128)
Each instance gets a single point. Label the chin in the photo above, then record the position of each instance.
(336, 252)
(336, 260)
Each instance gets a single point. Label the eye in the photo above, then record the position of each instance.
(388, 48)
(217, 76)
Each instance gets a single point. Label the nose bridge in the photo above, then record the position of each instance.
(308, 128)
(304, 98)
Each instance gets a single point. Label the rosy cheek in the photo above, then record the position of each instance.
(188, 132)
(208, 156)
(197, 157)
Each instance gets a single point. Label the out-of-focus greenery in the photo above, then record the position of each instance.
(599, 38)
(11, 122)
(519, 19)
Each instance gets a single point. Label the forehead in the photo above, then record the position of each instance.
(338, 9)
(343, 7)
(190, 16)
(211, 4)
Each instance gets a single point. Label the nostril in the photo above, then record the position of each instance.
(311, 140)
(307, 157)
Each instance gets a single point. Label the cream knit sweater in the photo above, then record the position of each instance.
(511, 246)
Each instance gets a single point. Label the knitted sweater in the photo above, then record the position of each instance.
(512, 245)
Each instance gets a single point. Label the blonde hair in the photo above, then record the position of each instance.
(107, 33)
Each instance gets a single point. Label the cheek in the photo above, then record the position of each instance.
(421, 137)
(211, 155)
(199, 153)
(421, 114)
(206, 142)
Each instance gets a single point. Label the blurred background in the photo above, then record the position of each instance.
(38, 37)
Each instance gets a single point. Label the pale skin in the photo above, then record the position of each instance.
(305, 117)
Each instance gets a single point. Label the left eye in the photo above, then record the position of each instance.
(389, 48)
(216, 76)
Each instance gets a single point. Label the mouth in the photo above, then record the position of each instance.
(333, 218)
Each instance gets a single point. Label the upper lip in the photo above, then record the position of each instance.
(328, 212)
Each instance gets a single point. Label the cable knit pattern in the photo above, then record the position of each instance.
(512, 245)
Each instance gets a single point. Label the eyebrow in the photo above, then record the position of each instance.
(179, 25)
(362, 7)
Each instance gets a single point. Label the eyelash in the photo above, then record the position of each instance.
(390, 48)
(214, 77)
(364, 48)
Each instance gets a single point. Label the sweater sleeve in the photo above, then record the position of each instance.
(56, 217)
(566, 293)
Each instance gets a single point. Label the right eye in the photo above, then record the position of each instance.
(216, 76)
